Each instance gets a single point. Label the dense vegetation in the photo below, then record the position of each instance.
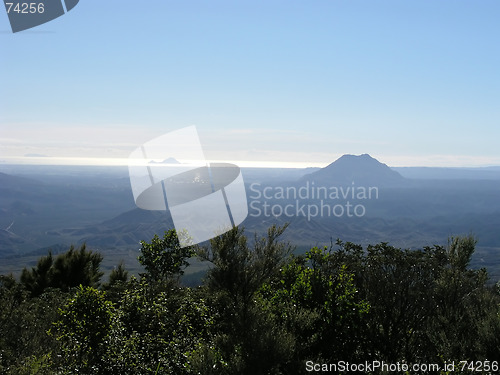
(260, 310)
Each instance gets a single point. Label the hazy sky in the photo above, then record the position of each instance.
(409, 82)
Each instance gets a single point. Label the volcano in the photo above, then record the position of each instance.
(356, 169)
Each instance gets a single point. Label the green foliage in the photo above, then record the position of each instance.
(240, 270)
(24, 322)
(207, 360)
(398, 284)
(260, 310)
(316, 300)
(460, 250)
(467, 324)
(73, 268)
(249, 337)
(83, 329)
(118, 275)
(117, 283)
(158, 329)
(39, 278)
(164, 258)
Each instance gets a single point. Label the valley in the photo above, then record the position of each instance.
(355, 199)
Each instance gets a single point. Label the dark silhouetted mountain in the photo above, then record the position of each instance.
(362, 170)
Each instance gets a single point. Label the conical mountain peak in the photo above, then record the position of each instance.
(358, 169)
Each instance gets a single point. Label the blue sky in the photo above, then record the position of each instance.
(409, 82)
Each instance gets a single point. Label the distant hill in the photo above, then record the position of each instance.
(435, 173)
(9, 242)
(125, 230)
(363, 170)
(166, 161)
(35, 156)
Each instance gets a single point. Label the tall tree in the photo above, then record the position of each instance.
(250, 338)
(163, 258)
(73, 268)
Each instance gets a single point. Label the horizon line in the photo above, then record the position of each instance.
(118, 162)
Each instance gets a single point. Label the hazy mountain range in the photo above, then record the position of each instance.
(51, 207)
